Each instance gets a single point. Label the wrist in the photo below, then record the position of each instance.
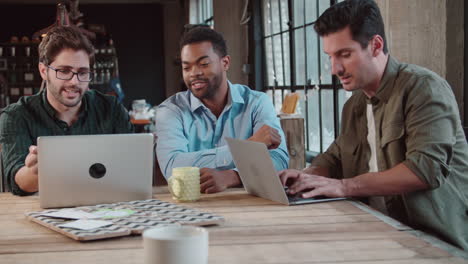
(233, 178)
(26, 179)
(350, 187)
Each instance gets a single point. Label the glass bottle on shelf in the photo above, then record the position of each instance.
(111, 48)
(107, 76)
(28, 74)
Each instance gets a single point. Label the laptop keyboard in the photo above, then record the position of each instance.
(294, 198)
(298, 196)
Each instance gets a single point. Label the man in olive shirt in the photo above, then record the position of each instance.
(65, 107)
(401, 133)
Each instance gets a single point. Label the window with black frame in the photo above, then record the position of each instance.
(201, 12)
(295, 62)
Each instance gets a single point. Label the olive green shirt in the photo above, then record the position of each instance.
(32, 116)
(417, 123)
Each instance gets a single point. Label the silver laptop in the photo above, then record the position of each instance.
(258, 174)
(94, 169)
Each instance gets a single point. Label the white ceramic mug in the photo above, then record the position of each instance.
(175, 245)
(184, 184)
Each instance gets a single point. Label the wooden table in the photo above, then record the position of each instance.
(256, 231)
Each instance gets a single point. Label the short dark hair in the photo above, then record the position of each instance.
(201, 33)
(64, 37)
(362, 16)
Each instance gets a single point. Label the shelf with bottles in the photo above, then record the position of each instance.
(18, 49)
(16, 92)
(105, 66)
(20, 74)
(18, 57)
(18, 70)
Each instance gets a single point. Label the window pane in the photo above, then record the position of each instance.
(287, 59)
(300, 108)
(325, 68)
(311, 11)
(210, 13)
(328, 129)
(275, 16)
(279, 70)
(277, 101)
(313, 120)
(200, 11)
(298, 13)
(299, 56)
(343, 96)
(284, 15)
(282, 61)
(312, 56)
(266, 18)
(205, 10)
(269, 92)
(323, 5)
(269, 62)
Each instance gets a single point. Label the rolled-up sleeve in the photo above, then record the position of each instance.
(432, 120)
(265, 114)
(330, 159)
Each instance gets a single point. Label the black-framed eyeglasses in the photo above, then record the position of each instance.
(66, 74)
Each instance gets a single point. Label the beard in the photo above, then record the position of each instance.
(209, 92)
(57, 93)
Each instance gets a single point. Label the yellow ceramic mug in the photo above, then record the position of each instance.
(184, 184)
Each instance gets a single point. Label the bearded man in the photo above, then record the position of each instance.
(65, 107)
(191, 126)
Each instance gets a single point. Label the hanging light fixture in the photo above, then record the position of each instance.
(62, 18)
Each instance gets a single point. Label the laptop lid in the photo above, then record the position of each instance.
(256, 170)
(259, 176)
(94, 169)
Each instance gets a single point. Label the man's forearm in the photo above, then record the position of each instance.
(208, 158)
(397, 180)
(27, 180)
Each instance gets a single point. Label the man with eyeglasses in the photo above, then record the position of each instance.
(65, 107)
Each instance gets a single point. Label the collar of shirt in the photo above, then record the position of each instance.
(233, 97)
(385, 89)
(388, 79)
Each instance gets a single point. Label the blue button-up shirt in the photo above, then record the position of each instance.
(189, 134)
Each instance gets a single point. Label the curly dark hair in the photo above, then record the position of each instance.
(362, 16)
(64, 37)
(201, 33)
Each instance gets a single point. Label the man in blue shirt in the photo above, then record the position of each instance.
(191, 126)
